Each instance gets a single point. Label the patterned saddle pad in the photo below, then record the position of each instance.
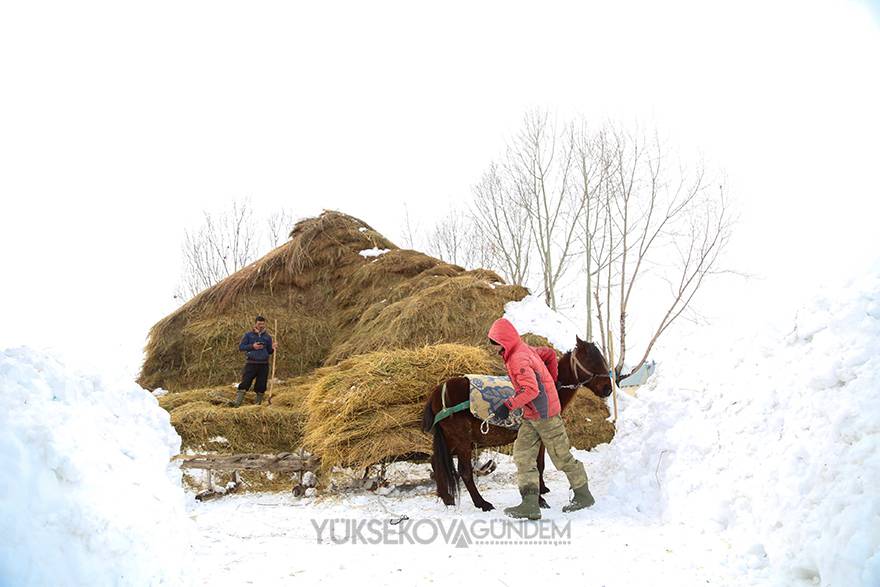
(487, 393)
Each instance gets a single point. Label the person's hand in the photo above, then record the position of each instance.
(502, 412)
(274, 345)
(258, 346)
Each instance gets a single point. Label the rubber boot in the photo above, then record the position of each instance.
(260, 395)
(582, 499)
(239, 397)
(528, 508)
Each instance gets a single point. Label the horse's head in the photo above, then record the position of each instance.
(590, 368)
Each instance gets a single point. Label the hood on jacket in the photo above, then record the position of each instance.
(505, 334)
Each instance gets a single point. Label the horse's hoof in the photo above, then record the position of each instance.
(542, 503)
(487, 507)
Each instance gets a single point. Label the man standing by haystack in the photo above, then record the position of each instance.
(258, 345)
(535, 393)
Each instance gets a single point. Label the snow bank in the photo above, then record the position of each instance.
(86, 493)
(531, 314)
(773, 440)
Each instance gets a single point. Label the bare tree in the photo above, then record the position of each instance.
(502, 225)
(656, 214)
(636, 215)
(529, 205)
(541, 162)
(226, 242)
(409, 230)
(279, 226)
(457, 239)
(594, 170)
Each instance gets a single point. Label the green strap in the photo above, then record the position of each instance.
(446, 412)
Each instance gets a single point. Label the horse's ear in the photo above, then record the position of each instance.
(579, 341)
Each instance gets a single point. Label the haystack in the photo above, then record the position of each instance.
(363, 341)
(368, 408)
(330, 302)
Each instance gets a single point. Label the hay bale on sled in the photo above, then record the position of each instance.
(247, 429)
(368, 408)
(203, 416)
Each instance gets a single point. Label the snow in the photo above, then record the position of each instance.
(374, 252)
(274, 540)
(771, 440)
(531, 314)
(751, 457)
(87, 496)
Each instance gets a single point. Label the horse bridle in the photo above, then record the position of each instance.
(574, 362)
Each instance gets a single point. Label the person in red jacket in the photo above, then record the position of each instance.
(534, 383)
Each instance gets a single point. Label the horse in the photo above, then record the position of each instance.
(457, 435)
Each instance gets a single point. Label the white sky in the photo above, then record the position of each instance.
(121, 122)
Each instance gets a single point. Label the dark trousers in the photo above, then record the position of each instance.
(251, 371)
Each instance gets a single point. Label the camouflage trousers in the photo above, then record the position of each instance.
(525, 453)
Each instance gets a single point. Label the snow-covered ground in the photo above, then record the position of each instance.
(752, 457)
(272, 539)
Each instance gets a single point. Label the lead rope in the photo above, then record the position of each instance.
(484, 427)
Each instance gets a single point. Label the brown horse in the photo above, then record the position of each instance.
(460, 433)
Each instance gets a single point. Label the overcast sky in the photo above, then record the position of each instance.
(121, 122)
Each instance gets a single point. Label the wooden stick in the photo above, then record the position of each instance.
(611, 374)
(274, 355)
(282, 462)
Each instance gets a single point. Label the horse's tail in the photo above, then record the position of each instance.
(444, 469)
(428, 417)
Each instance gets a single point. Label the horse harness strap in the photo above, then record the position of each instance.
(446, 412)
(574, 362)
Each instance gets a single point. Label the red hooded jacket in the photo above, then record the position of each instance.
(532, 371)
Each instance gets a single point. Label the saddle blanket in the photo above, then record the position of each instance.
(487, 393)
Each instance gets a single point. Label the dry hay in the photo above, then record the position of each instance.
(197, 345)
(201, 416)
(586, 421)
(429, 310)
(249, 428)
(329, 302)
(368, 408)
(210, 395)
(333, 306)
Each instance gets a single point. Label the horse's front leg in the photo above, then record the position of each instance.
(466, 471)
(542, 487)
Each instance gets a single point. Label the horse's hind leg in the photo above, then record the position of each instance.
(542, 487)
(466, 471)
